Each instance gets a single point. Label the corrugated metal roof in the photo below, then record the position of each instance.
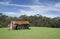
(20, 22)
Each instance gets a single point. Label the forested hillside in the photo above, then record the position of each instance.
(36, 20)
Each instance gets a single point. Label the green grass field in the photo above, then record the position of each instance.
(33, 33)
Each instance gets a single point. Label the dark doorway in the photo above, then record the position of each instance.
(17, 27)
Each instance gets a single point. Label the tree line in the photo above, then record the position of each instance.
(36, 20)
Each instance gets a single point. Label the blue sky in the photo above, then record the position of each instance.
(49, 8)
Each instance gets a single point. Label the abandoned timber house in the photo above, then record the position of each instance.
(16, 25)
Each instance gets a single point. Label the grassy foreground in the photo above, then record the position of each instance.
(33, 33)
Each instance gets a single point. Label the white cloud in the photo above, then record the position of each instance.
(57, 5)
(5, 2)
(36, 2)
(39, 9)
(12, 14)
(35, 9)
(23, 12)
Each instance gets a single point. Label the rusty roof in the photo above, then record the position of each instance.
(20, 22)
